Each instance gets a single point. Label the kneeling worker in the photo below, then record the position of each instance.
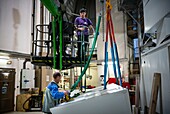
(52, 94)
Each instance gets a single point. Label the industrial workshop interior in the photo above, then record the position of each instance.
(84, 56)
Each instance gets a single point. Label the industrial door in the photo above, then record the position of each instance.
(7, 84)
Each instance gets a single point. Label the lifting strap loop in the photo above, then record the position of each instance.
(108, 4)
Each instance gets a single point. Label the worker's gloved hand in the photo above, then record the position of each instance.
(94, 34)
(66, 92)
(82, 28)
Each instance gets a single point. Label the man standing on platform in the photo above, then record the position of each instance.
(82, 25)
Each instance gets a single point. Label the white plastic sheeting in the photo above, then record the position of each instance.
(113, 100)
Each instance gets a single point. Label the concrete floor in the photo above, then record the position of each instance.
(24, 113)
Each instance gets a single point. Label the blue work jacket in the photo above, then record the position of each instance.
(51, 97)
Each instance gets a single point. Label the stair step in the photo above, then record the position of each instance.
(135, 70)
(133, 75)
(132, 32)
(134, 63)
(133, 85)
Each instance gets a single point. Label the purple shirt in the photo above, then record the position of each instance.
(81, 22)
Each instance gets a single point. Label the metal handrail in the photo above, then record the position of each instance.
(40, 30)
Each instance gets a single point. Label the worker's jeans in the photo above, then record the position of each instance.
(79, 45)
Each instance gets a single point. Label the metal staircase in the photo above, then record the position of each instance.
(46, 58)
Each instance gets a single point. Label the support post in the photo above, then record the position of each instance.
(54, 42)
(156, 84)
(61, 40)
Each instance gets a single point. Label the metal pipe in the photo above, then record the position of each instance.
(41, 28)
(124, 28)
(70, 13)
(54, 42)
(61, 40)
(102, 3)
(84, 54)
(43, 25)
(130, 15)
(36, 38)
(81, 83)
(24, 63)
(137, 91)
(33, 23)
(51, 6)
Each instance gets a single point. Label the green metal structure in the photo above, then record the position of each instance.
(54, 43)
(57, 16)
(53, 9)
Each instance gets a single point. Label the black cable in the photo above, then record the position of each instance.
(25, 103)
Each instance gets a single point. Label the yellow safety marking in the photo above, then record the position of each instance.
(108, 4)
(41, 60)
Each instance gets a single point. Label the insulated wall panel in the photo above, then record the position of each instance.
(157, 61)
(15, 25)
(154, 12)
